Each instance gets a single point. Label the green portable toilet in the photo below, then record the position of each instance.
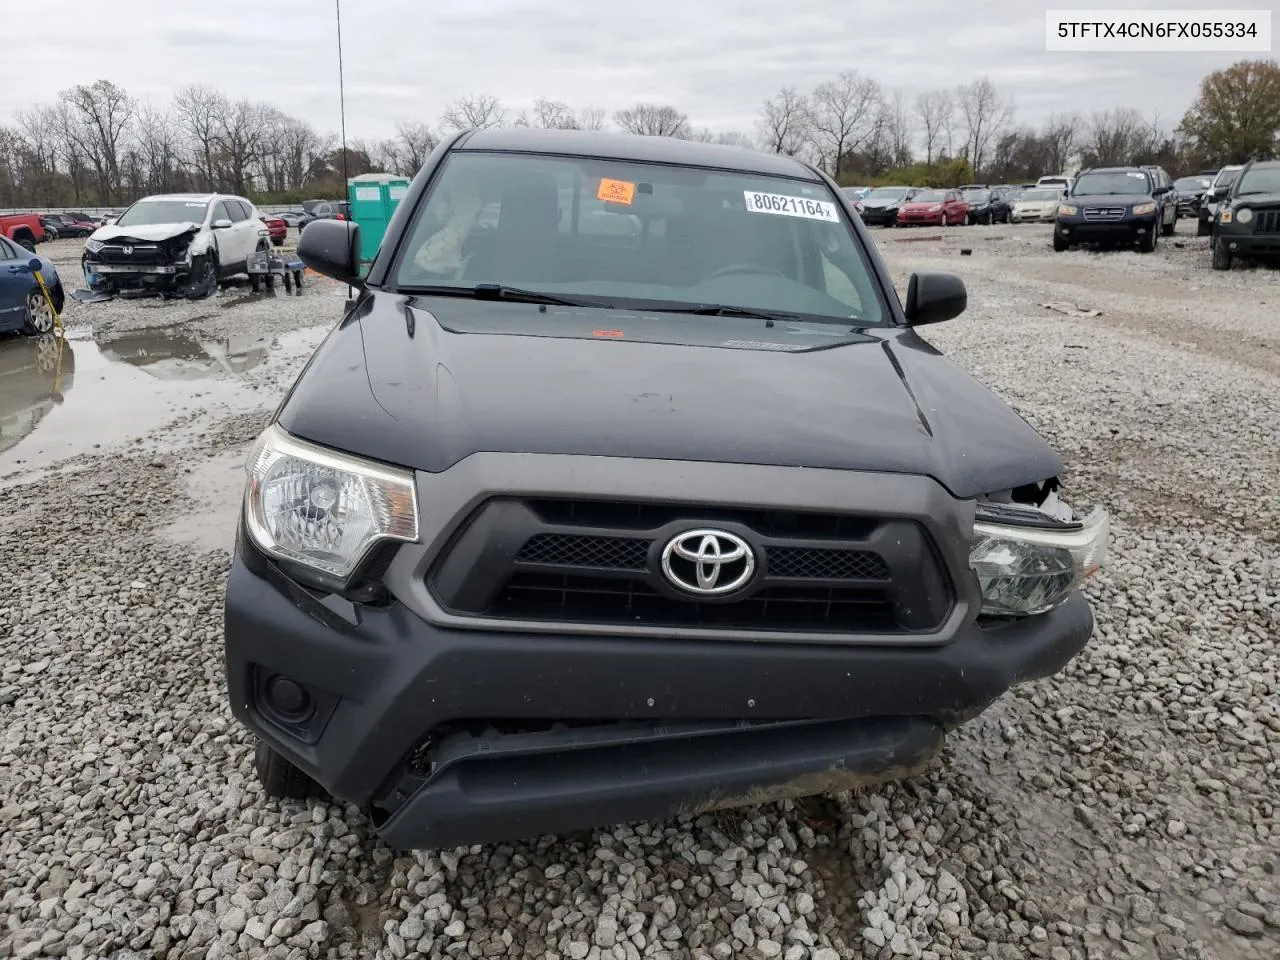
(373, 198)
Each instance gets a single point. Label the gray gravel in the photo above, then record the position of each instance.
(1126, 808)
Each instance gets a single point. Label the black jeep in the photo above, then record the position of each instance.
(1248, 221)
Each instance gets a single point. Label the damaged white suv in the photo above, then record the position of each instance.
(180, 243)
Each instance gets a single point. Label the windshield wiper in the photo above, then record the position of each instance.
(497, 291)
(724, 310)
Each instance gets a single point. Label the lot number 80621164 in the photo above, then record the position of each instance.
(786, 206)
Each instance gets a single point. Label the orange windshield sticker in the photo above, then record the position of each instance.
(610, 334)
(616, 191)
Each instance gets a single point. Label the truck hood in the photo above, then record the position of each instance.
(426, 382)
(152, 232)
(1257, 200)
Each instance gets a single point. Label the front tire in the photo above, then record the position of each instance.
(1221, 255)
(1059, 245)
(1148, 243)
(280, 779)
(1168, 228)
(39, 315)
(204, 277)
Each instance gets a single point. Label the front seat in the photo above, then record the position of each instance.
(527, 239)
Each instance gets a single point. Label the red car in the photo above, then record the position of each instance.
(941, 207)
(277, 228)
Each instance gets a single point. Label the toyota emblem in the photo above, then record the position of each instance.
(708, 563)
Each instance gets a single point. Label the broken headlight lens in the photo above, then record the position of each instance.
(1026, 570)
(323, 509)
(92, 245)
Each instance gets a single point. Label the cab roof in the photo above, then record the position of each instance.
(627, 146)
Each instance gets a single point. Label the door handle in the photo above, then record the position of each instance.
(16, 269)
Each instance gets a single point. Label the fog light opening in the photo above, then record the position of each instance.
(288, 698)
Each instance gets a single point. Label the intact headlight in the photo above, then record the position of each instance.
(1244, 215)
(1066, 210)
(1144, 208)
(92, 245)
(1026, 570)
(935, 208)
(323, 509)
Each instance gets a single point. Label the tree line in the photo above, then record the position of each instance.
(96, 144)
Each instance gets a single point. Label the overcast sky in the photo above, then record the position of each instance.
(714, 59)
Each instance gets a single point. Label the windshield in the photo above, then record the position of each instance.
(627, 234)
(887, 193)
(929, 196)
(1227, 177)
(1191, 184)
(146, 212)
(1259, 180)
(1039, 196)
(977, 196)
(1115, 184)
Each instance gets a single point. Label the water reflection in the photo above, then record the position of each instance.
(35, 375)
(170, 355)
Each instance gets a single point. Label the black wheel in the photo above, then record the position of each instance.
(1148, 243)
(1202, 228)
(204, 277)
(1221, 255)
(280, 779)
(28, 245)
(988, 219)
(1168, 228)
(1059, 244)
(39, 318)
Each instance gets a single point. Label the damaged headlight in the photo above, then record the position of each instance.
(1028, 561)
(93, 246)
(323, 509)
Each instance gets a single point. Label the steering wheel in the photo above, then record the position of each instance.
(742, 268)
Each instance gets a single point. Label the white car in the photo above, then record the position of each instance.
(175, 243)
(1063, 183)
(1038, 205)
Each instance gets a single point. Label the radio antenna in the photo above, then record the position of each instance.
(342, 110)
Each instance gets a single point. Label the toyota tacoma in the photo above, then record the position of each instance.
(565, 524)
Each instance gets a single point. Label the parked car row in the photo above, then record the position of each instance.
(910, 206)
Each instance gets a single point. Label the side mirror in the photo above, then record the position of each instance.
(934, 297)
(332, 248)
(221, 224)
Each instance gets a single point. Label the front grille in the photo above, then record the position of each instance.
(572, 550)
(146, 253)
(1266, 221)
(599, 561)
(584, 599)
(1103, 213)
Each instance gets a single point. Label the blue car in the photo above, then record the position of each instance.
(23, 306)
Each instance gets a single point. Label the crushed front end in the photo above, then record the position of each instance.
(128, 263)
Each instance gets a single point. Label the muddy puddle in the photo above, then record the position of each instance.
(60, 397)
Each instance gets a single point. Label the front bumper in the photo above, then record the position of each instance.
(1241, 242)
(1128, 230)
(549, 732)
(880, 217)
(924, 219)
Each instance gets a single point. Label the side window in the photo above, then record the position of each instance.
(235, 209)
(7, 250)
(322, 210)
(219, 212)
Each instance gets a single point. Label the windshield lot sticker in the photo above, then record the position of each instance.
(608, 334)
(790, 206)
(616, 191)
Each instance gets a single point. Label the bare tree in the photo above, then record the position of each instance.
(156, 150)
(895, 122)
(843, 115)
(1116, 137)
(198, 110)
(414, 143)
(984, 113)
(735, 138)
(553, 115)
(935, 108)
(473, 113)
(786, 123)
(102, 111)
(1061, 140)
(654, 120)
(592, 118)
(241, 138)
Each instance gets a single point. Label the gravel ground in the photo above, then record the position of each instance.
(1125, 808)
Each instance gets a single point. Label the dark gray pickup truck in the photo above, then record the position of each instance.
(624, 489)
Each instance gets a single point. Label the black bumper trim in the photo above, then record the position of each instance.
(485, 800)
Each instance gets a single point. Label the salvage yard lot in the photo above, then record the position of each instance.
(1126, 808)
